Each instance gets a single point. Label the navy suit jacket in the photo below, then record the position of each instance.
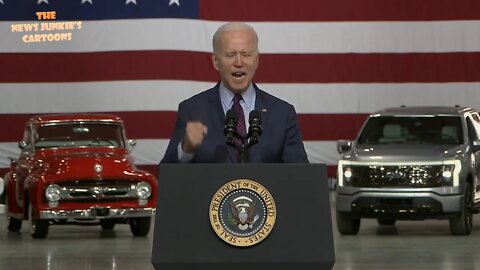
(280, 142)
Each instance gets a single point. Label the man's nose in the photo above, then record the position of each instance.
(238, 60)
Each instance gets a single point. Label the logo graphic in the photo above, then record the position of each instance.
(98, 191)
(242, 212)
(395, 175)
(98, 168)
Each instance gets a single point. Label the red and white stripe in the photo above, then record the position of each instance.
(336, 61)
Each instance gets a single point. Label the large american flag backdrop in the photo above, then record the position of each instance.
(335, 60)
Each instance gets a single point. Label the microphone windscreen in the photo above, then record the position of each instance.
(231, 114)
(254, 115)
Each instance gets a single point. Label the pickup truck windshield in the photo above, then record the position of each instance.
(79, 135)
(412, 130)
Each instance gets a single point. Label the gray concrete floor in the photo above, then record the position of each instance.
(407, 245)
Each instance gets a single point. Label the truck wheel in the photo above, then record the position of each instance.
(38, 227)
(107, 224)
(347, 225)
(386, 221)
(14, 225)
(140, 226)
(462, 224)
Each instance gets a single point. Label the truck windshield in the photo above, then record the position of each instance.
(412, 130)
(79, 135)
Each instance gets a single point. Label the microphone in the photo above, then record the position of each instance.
(255, 128)
(230, 129)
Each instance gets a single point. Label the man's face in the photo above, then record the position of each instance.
(236, 59)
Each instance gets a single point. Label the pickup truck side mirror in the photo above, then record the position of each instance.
(476, 145)
(131, 144)
(22, 144)
(344, 146)
(2, 186)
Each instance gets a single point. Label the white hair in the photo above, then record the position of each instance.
(232, 26)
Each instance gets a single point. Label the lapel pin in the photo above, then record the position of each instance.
(264, 110)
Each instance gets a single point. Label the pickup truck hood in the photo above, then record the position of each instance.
(87, 163)
(403, 153)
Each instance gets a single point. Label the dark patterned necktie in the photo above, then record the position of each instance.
(241, 127)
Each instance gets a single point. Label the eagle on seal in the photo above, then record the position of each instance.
(243, 210)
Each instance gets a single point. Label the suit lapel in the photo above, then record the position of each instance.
(261, 105)
(217, 116)
(218, 119)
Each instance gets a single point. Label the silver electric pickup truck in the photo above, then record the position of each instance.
(411, 163)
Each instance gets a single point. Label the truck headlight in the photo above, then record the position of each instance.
(345, 175)
(447, 172)
(53, 193)
(144, 190)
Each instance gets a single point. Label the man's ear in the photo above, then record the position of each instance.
(215, 61)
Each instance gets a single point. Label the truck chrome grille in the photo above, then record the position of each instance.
(92, 190)
(419, 176)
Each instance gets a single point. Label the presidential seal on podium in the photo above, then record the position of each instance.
(242, 213)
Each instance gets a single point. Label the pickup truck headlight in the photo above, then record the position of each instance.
(345, 175)
(447, 173)
(53, 193)
(144, 190)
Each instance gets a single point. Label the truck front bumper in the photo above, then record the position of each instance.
(100, 213)
(399, 204)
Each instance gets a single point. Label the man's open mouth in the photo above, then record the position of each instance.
(238, 75)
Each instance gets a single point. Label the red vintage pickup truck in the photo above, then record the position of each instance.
(77, 168)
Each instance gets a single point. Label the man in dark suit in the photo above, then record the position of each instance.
(199, 130)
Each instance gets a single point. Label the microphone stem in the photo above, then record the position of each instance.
(243, 154)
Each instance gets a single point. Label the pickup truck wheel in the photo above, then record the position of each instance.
(347, 225)
(386, 221)
(140, 226)
(38, 227)
(462, 224)
(14, 225)
(107, 224)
